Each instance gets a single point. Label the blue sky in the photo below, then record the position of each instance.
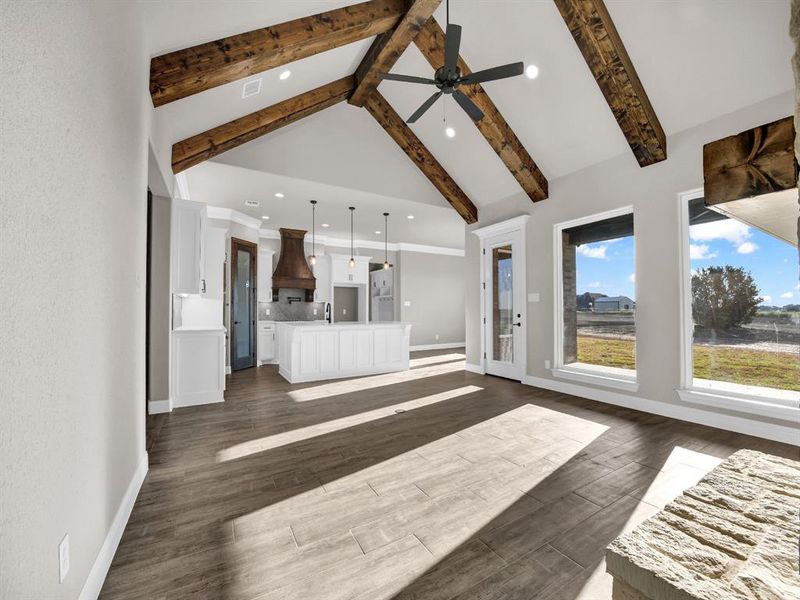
(608, 267)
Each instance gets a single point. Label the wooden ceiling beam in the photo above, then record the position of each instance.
(596, 36)
(493, 126)
(397, 129)
(206, 145)
(192, 70)
(388, 47)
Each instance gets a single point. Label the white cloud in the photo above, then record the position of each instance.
(700, 252)
(766, 299)
(590, 251)
(729, 229)
(632, 278)
(746, 248)
(594, 284)
(787, 295)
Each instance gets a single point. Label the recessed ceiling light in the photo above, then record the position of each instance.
(285, 74)
(531, 71)
(410, 216)
(278, 195)
(265, 217)
(325, 225)
(377, 233)
(450, 132)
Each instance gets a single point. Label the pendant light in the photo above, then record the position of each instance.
(352, 258)
(386, 241)
(313, 258)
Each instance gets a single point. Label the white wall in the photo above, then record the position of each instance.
(434, 285)
(75, 117)
(653, 193)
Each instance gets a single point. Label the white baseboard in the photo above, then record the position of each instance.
(94, 582)
(155, 407)
(446, 346)
(474, 369)
(770, 431)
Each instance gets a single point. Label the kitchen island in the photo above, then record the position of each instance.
(314, 351)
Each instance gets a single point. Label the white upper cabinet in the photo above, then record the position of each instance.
(212, 282)
(341, 272)
(187, 248)
(264, 281)
(322, 271)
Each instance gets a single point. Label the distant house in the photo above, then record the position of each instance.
(587, 299)
(614, 304)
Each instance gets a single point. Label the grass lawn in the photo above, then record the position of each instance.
(747, 367)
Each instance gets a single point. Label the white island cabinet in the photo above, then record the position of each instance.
(314, 351)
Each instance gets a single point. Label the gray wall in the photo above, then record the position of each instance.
(434, 284)
(160, 300)
(72, 262)
(619, 182)
(345, 302)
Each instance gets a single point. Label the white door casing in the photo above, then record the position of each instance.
(504, 352)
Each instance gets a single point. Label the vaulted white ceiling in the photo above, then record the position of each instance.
(697, 60)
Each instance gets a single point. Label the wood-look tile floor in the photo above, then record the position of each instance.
(429, 484)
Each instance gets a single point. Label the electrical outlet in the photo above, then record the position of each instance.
(344, 311)
(315, 311)
(436, 337)
(406, 302)
(547, 364)
(267, 312)
(63, 559)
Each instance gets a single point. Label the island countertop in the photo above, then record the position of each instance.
(314, 351)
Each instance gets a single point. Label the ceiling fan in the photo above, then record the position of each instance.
(448, 77)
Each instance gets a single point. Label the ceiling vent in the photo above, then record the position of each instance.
(253, 203)
(251, 88)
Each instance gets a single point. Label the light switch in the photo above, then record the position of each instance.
(533, 297)
(406, 302)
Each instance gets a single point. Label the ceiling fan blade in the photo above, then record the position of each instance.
(422, 109)
(475, 113)
(452, 43)
(406, 78)
(510, 70)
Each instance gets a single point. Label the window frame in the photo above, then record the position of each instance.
(754, 400)
(622, 379)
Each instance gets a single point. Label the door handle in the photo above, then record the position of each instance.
(517, 324)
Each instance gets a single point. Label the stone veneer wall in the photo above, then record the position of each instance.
(570, 285)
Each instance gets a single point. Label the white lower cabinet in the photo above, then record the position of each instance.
(267, 346)
(198, 366)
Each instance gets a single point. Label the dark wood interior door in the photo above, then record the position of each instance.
(244, 305)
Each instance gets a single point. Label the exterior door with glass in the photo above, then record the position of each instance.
(504, 303)
(243, 304)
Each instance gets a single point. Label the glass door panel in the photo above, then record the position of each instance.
(503, 304)
(243, 308)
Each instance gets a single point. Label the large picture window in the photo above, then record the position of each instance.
(598, 294)
(744, 303)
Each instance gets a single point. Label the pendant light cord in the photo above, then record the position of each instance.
(447, 8)
(352, 209)
(386, 237)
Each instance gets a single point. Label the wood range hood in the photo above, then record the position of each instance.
(292, 271)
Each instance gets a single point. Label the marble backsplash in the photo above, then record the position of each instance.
(283, 310)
